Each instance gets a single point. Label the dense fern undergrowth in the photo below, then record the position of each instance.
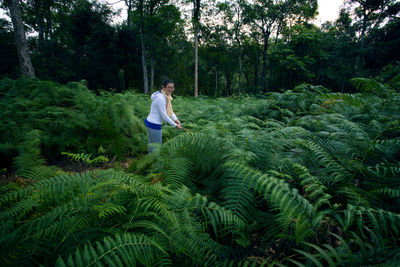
(301, 178)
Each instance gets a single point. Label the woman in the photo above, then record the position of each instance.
(160, 111)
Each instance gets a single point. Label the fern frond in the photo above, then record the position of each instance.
(351, 251)
(337, 173)
(383, 222)
(178, 172)
(51, 190)
(120, 250)
(109, 209)
(236, 193)
(312, 186)
(29, 154)
(19, 210)
(292, 206)
(386, 191)
(85, 158)
(370, 86)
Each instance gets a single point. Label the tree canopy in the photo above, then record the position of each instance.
(244, 47)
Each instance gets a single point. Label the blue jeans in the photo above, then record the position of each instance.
(155, 139)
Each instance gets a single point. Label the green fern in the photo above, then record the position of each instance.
(121, 250)
(85, 158)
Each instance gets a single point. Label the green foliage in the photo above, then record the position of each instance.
(85, 158)
(40, 119)
(128, 249)
(305, 177)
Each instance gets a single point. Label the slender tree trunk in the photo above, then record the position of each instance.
(152, 54)
(50, 39)
(237, 37)
(20, 39)
(152, 73)
(144, 63)
(143, 48)
(264, 71)
(216, 81)
(255, 78)
(270, 65)
(240, 72)
(364, 25)
(40, 22)
(246, 76)
(196, 63)
(126, 65)
(196, 19)
(228, 83)
(362, 35)
(128, 3)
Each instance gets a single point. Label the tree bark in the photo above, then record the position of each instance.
(20, 39)
(264, 71)
(228, 83)
(128, 3)
(144, 63)
(143, 48)
(240, 71)
(216, 81)
(255, 78)
(152, 73)
(196, 64)
(196, 19)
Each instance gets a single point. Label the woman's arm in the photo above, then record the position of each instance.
(175, 119)
(161, 106)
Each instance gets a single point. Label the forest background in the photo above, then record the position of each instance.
(249, 47)
(294, 162)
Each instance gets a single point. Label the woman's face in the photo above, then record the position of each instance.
(169, 89)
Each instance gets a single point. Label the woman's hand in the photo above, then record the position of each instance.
(178, 126)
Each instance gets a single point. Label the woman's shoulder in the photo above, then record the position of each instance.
(158, 96)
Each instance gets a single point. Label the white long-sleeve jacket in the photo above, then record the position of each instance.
(158, 110)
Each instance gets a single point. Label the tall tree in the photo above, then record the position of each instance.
(370, 15)
(20, 39)
(151, 16)
(267, 16)
(126, 51)
(196, 28)
(143, 46)
(233, 20)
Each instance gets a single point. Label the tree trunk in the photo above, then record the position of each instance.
(196, 19)
(144, 63)
(126, 66)
(128, 3)
(246, 76)
(196, 65)
(24, 57)
(216, 81)
(264, 71)
(152, 73)
(240, 71)
(143, 48)
(255, 78)
(40, 22)
(228, 83)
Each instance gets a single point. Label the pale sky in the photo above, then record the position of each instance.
(328, 10)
